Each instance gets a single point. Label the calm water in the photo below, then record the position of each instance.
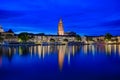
(87, 62)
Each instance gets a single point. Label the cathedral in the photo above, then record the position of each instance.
(60, 28)
(61, 36)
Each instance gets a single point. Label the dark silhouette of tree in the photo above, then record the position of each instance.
(78, 37)
(24, 36)
(108, 36)
(41, 34)
(10, 31)
(1, 39)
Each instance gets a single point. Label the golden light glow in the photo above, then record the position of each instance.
(39, 51)
(60, 28)
(109, 49)
(43, 48)
(106, 49)
(20, 50)
(61, 53)
(93, 49)
(73, 50)
(35, 50)
(85, 47)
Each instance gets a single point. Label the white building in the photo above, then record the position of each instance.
(1, 29)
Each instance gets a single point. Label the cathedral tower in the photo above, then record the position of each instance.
(60, 28)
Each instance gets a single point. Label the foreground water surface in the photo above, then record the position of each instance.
(85, 62)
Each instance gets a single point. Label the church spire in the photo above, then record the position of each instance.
(60, 28)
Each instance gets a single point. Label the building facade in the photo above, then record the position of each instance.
(1, 29)
(7, 36)
(60, 28)
(56, 38)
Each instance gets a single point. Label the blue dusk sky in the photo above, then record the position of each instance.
(85, 17)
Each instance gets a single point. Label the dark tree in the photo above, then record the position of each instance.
(24, 36)
(78, 37)
(10, 31)
(1, 39)
(108, 36)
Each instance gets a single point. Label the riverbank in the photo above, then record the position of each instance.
(56, 43)
(43, 43)
(101, 43)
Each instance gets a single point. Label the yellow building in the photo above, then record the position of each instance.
(60, 28)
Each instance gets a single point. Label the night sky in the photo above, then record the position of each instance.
(86, 17)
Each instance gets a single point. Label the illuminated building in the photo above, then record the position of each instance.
(60, 28)
(1, 29)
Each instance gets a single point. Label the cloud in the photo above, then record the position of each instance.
(5, 14)
(86, 16)
(114, 23)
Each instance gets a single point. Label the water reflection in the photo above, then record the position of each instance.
(0, 61)
(62, 51)
(106, 49)
(119, 49)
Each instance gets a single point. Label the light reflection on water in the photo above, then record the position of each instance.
(40, 51)
(61, 51)
(85, 58)
(106, 49)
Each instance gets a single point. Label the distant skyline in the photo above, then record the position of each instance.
(85, 17)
